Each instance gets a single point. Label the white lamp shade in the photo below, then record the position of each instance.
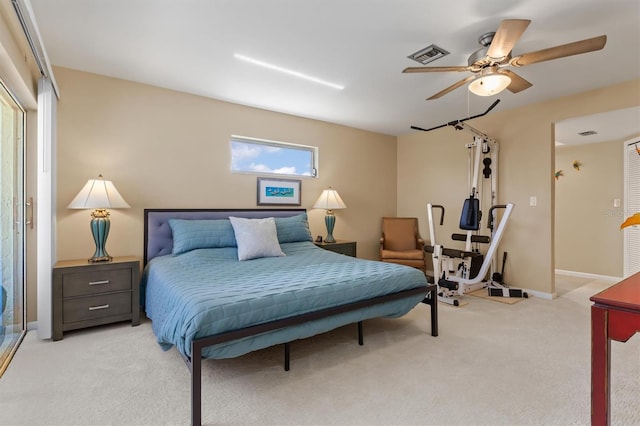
(98, 194)
(329, 200)
(489, 84)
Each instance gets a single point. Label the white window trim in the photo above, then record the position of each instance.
(279, 144)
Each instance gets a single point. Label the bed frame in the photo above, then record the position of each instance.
(158, 241)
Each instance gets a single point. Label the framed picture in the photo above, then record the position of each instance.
(278, 192)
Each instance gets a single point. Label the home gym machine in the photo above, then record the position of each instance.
(461, 271)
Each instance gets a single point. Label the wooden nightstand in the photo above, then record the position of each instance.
(340, 246)
(87, 294)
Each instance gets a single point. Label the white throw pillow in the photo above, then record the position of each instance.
(256, 238)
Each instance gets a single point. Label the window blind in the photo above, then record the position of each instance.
(632, 206)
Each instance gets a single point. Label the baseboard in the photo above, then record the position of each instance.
(33, 325)
(541, 294)
(587, 275)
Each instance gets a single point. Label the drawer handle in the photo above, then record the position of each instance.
(98, 282)
(95, 308)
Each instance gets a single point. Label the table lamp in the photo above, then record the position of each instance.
(100, 195)
(329, 200)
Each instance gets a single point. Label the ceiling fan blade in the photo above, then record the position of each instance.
(451, 88)
(435, 69)
(569, 49)
(518, 84)
(508, 34)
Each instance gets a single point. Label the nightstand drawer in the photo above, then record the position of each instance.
(339, 246)
(92, 307)
(93, 282)
(346, 249)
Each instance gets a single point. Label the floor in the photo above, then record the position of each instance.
(568, 283)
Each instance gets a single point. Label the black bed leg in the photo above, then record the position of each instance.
(434, 312)
(360, 334)
(287, 352)
(196, 386)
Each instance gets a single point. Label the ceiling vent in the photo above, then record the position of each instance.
(588, 133)
(428, 54)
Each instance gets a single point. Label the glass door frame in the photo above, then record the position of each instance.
(19, 222)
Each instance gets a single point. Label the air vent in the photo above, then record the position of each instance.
(428, 54)
(588, 133)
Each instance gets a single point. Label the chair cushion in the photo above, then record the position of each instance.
(419, 264)
(399, 233)
(405, 254)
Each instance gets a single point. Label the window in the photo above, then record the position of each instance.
(272, 157)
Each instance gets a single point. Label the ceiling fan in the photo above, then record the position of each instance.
(490, 63)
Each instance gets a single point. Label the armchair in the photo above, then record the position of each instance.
(401, 242)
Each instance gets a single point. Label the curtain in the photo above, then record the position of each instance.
(46, 211)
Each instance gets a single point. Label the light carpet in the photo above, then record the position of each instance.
(493, 364)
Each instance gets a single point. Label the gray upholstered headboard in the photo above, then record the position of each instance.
(158, 239)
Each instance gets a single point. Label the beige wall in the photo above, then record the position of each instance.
(588, 237)
(18, 69)
(432, 168)
(165, 149)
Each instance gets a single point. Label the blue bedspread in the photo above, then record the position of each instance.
(208, 291)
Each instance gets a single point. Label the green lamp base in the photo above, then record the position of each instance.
(100, 225)
(330, 221)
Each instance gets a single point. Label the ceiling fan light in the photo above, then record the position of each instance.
(489, 84)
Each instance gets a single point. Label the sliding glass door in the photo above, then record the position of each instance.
(12, 227)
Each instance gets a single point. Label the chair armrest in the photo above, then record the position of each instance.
(419, 243)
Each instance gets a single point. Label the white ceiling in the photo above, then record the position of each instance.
(621, 125)
(189, 45)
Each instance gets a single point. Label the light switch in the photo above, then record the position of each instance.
(533, 201)
(616, 202)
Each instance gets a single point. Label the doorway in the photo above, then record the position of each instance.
(12, 227)
(590, 192)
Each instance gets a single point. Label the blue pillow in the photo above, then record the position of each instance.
(293, 228)
(205, 233)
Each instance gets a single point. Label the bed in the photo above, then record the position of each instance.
(216, 285)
